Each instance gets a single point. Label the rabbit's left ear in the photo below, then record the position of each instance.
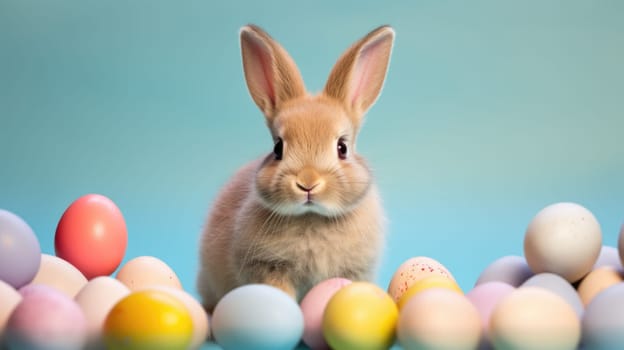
(359, 74)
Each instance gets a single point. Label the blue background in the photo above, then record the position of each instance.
(491, 111)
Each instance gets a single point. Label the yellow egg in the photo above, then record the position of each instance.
(433, 281)
(148, 320)
(413, 270)
(360, 316)
(597, 281)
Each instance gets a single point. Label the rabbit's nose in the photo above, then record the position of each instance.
(308, 179)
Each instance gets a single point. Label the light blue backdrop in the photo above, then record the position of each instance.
(491, 111)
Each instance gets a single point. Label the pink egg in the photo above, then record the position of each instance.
(46, 319)
(486, 296)
(313, 307)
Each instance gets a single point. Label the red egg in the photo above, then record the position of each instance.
(92, 236)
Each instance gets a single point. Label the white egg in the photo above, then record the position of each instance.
(565, 239)
(97, 298)
(58, 273)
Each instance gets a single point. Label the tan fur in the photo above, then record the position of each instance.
(310, 216)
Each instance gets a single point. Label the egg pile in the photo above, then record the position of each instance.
(71, 301)
(566, 292)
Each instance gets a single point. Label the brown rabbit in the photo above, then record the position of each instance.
(309, 210)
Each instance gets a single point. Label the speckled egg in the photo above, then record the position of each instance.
(147, 271)
(565, 239)
(413, 270)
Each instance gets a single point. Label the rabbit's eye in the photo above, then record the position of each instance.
(342, 149)
(278, 150)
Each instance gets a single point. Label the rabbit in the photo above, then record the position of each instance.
(308, 210)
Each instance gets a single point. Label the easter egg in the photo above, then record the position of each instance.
(510, 269)
(413, 270)
(439, 318)
(201, 327)
(609, 256)
(147, 271)
(485, 297)
(565, 239)
(45, 319)
(360, 316)
(621, 244)
(20, 252)
(559, 286)
(257, 316)
(97, 298)
(92, 235)
(603, 324)
(58, 273)
(597, 281)
(9, 298)
(534, 318)
(148, 320)
(313, 306)
(433, 281)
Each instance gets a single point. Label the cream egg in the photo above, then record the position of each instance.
(97, 298)
(147, 271)
(58, 273)
(565, 239)
(534, 318)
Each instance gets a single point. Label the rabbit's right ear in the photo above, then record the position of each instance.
(271, 74)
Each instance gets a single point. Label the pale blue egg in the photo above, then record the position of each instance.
(20, 253)
(603, 324)
(259, 317)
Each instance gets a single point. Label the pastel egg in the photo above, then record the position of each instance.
(257, 316)
(565, 239)
(510, 269)
(201, 327)
(485, 297)
(439, 319)
(148, 320)
(46, 319)
(97, 298)
(360, 316)
(147, 271)
(413, 270)
(58, 273)
(534, 318)
(433, 281)
(609, 256)
(597, 281)
(20, 253)
(559, 286)
(9, 298)
(313, 306)
(621, 244)
(92, 235)
(603, 324)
